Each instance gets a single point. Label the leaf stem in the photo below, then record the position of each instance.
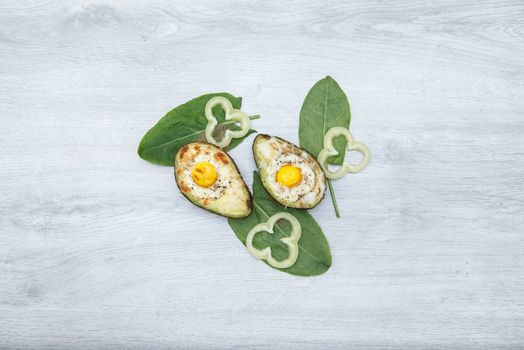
(252, 117)
(333, 198)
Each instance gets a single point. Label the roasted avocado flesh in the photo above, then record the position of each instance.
(291, 175)
(208, 177)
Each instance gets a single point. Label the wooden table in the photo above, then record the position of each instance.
(99, 250)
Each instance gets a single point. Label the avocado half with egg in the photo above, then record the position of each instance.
(292, 176)
(208, 177)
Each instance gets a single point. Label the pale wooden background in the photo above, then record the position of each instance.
(99, 250)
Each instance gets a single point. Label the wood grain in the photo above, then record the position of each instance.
(98, 249)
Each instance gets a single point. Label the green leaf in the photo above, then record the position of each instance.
(314, 257)
(236, 142)
(326, 106)
(184, 124)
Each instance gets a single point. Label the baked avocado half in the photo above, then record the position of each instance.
(209, 178)
(292, 176)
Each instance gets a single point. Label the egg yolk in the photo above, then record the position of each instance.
(289, 175)
(204, 174)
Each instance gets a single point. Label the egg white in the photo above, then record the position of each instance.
(217, 189)
(306, 184)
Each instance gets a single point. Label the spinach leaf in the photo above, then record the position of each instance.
(326, 106)
(314, 257)
(184, 124)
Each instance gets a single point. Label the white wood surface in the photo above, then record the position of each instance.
(99, 250)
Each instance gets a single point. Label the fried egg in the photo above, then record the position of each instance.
(291, 175)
